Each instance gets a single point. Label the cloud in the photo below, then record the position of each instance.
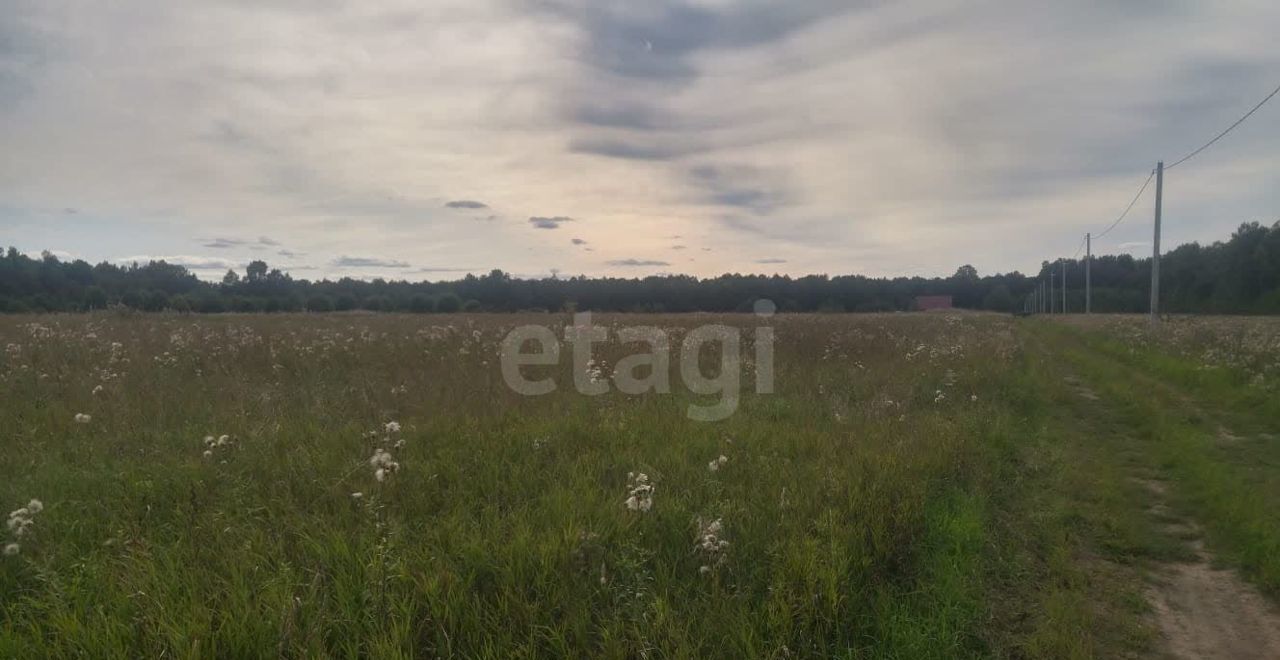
(290, 253)
(742, 187)
(820, 126)
(466, 204)
(549, 223)
(632, 149)
(367, 262)
(677, 247)
(771, 261)
(434, 269)
(190, 262)
(222, 243)
(637, 262)
(263, 240)
(577, 241)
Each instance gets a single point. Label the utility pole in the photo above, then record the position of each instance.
(1064, 286)
(1155, 247)
(1088, 279)
(1051, 305)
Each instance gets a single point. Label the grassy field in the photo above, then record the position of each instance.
(368, 486)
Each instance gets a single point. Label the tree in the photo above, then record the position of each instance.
(998, 299)
(255, 271)
(231, 278)
(95, 298)
(344, 303)
(319, 304)
(449, 303)
(421, 303)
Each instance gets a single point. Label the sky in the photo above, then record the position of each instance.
(425, 140)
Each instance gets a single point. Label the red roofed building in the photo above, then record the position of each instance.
(926, 303)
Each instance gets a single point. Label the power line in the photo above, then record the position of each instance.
(1130, 206)
(1229, 128)
(1073, 257)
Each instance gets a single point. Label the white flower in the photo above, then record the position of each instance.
(35, 506)
(82, 418)
(709, 543)
(208, 453)
(717, 463)
(393, 427)
(380, 474)
(357, 495)
(973, 397)
(12, 549)
(97, 390)
(640, 492)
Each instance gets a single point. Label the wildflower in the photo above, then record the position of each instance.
(82, 418)
(97, 390)
(973, 397)
(939, 396)
(594, 371)
(383, 464)
(718, 463)
(640, 491)
(357, 495)
(12, 549)
(392, 427)
(20, 520)
(208, 453)
(710, 545)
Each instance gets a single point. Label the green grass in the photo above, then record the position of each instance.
(1186, 421)
(866, 516)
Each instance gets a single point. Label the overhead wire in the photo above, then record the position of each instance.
(1129, 207)
(1219, 136)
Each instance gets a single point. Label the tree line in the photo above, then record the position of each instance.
(1238, 276)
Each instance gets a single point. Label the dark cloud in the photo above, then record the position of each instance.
(635, 148)
(541, 222)
(621, 114)
(637, 262)
(578, 241)
(367, 262)
(263, 240)
(771, 261)
(677, 247)
(746, 188)
(660, 41)
(466, 204)
(290, 254)
(222, 243)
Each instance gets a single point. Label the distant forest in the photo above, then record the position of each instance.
(1238, 276)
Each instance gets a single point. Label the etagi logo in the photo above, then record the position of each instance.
(588, 378)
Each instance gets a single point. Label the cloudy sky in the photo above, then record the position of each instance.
(423, 140)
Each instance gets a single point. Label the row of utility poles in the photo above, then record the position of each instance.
(1042, 300)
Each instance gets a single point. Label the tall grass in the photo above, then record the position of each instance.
(861, 507)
